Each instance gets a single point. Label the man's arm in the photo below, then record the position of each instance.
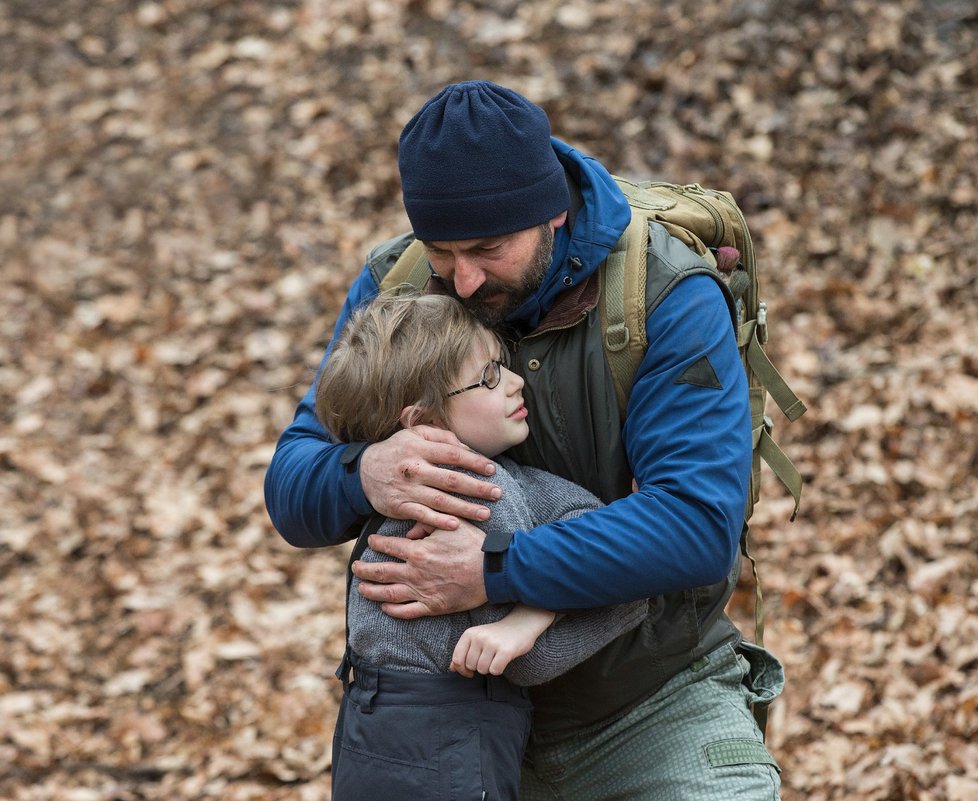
(689, 445)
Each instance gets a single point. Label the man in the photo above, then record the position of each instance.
(517, 224)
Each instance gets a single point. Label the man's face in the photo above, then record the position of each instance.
(493, 276)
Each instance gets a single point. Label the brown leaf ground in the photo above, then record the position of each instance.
(186, 189)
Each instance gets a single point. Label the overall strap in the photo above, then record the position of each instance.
(370, 526)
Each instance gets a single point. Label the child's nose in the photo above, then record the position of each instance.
(514, 381)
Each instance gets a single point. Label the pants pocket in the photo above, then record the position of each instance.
(389, 753)
(764, 677)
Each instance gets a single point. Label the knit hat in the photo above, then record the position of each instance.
(476, 161)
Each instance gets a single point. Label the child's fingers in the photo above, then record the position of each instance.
(473, 660)
(478, 652)
(484, 663)
(499, 663)
(460, 654)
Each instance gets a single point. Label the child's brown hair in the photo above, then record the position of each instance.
(396, 351)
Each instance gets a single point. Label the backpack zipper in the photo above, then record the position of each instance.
(692, 190)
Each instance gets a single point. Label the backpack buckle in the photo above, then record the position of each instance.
(616, 337)
(762, 322)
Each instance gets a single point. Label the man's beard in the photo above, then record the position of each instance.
(516, 293)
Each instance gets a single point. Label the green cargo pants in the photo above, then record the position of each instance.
(693, 740)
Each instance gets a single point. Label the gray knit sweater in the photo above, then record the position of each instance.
(530, 497)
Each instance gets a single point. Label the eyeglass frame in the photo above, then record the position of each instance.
(483, 381)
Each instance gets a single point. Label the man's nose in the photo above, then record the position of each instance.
(468, 277)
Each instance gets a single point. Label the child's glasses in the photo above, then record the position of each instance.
(491, 374)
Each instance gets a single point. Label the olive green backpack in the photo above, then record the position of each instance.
(710, 223)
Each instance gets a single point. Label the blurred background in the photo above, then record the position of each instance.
(187, 187)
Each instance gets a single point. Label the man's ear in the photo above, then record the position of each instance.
(559, 220)
(415, 415)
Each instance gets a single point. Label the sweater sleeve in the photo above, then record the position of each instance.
(551, 498)
(575, 636)
(312, 497)
(689, 446)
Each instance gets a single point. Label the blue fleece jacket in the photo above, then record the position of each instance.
(689, 446)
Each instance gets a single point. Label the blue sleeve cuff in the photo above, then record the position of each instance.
(494, 546)
(497, 587)
(495, 576)
(352, 487)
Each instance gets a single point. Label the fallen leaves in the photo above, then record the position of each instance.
(187, 189)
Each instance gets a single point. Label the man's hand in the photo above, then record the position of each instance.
(402, 479)
(439, 574)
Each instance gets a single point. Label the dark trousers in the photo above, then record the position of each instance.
(406, 736)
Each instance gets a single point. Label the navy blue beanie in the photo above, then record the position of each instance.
(476, 161)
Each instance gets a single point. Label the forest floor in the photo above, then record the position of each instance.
(187, 187)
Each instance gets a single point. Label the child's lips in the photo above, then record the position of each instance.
(520, 413)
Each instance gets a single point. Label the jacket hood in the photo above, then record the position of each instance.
(583, 242)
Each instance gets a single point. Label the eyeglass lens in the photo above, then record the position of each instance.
(491, 374)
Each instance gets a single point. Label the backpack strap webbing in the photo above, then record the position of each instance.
(622, 305)
(411, 268)
(758, 595)
(759, 711)
(779, 462)
(749, 340)
(767, 373)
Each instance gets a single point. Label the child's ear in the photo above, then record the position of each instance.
(415, 415)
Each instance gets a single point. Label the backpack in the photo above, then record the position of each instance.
(711, 224)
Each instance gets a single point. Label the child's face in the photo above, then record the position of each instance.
(488, 420)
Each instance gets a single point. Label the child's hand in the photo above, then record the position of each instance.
(489, 648)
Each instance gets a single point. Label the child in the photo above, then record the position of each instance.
(410, 727)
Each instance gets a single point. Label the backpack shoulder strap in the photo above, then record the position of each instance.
(622, 305)
(411, 268)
